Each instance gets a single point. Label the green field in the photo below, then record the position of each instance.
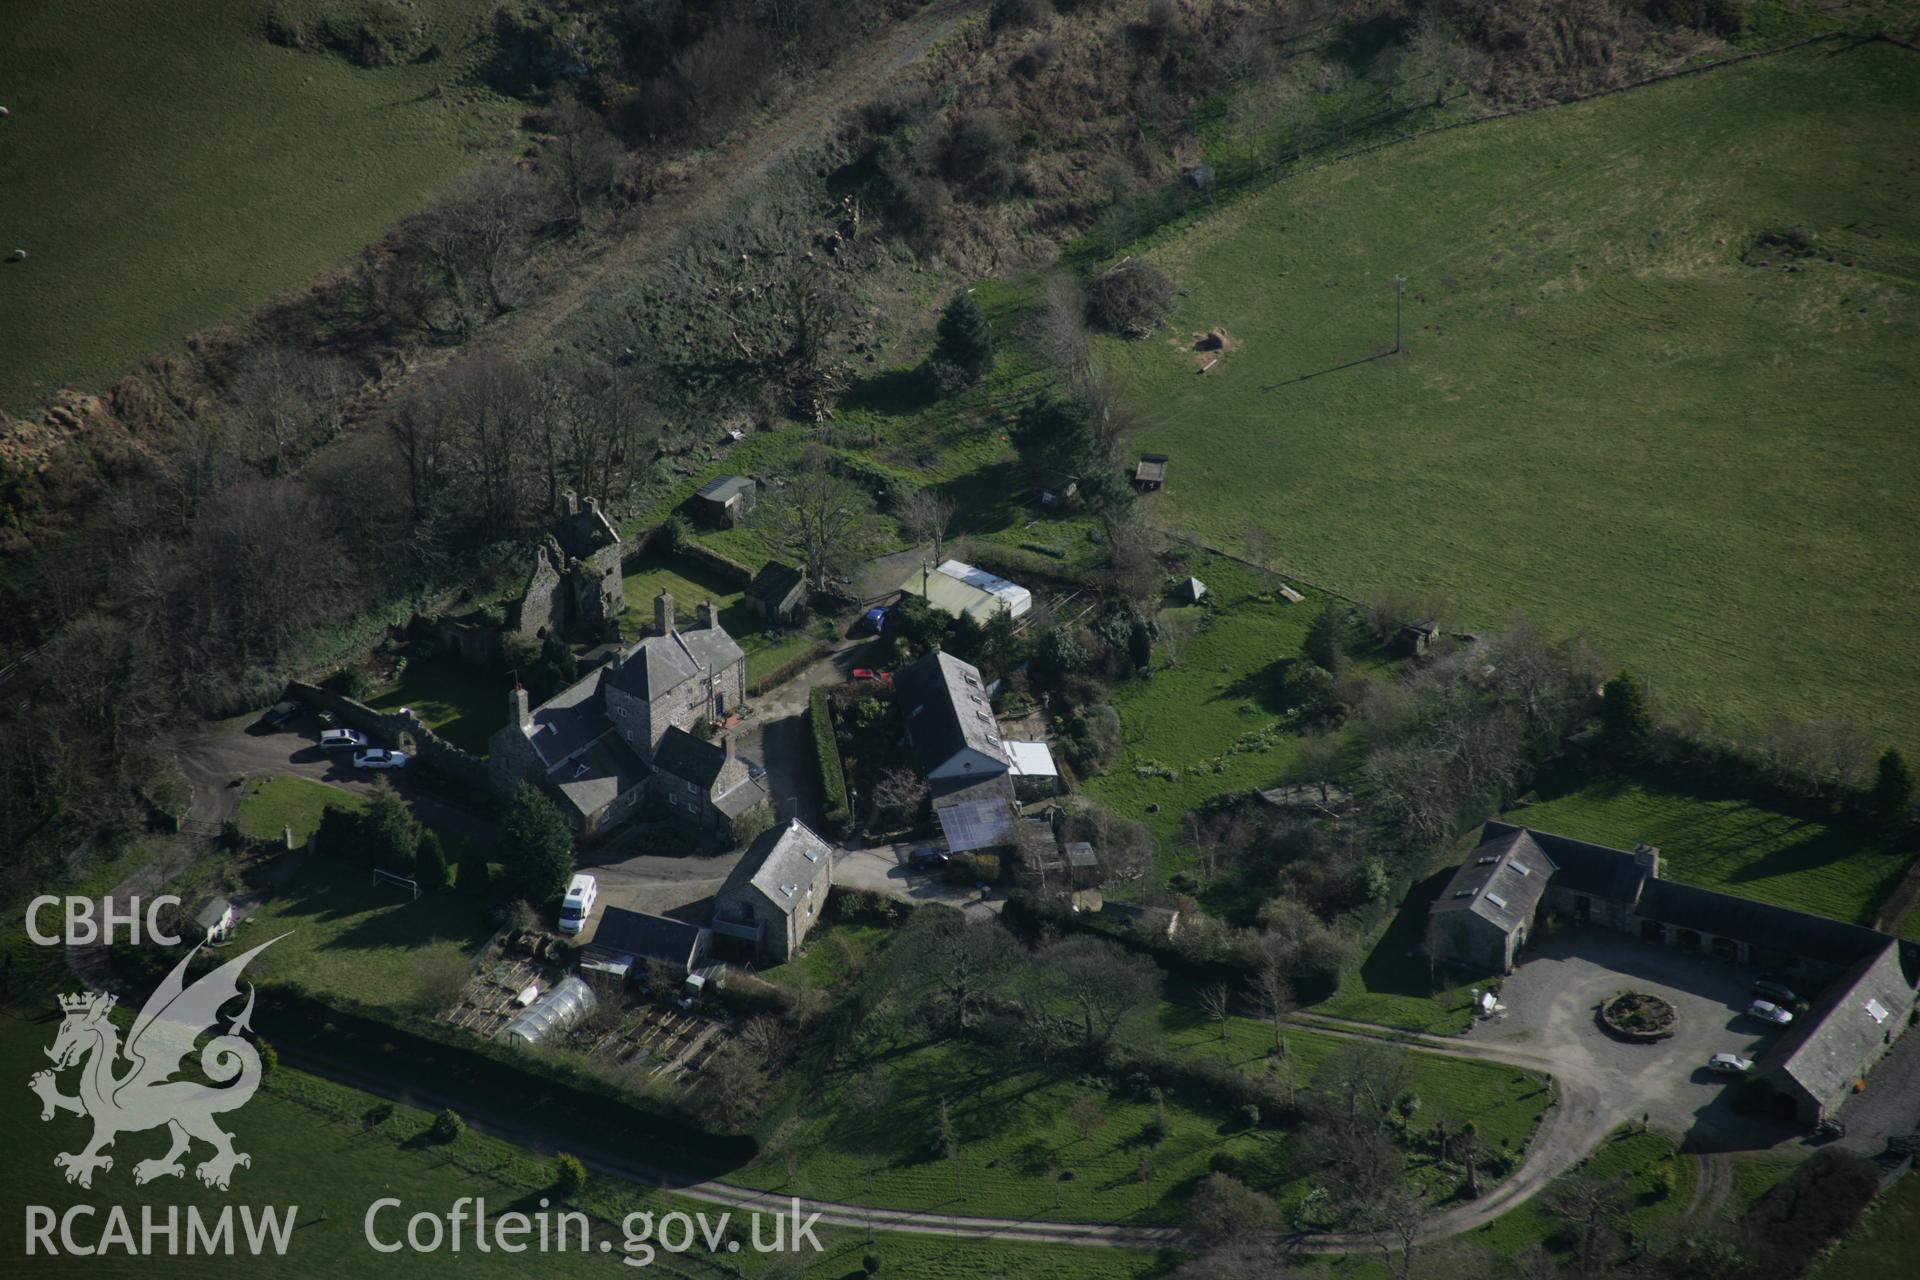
(1215, 718)
(166, 168)
(462, 703)
(1726, 843)
(869, 1136)
(268, 806)
(347, 938)
(1876, 1251)
(1603, 418)
(767, 650)
(332, 1151)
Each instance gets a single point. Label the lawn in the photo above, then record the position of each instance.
(1726, 842)
(1604, 417)
(462, 703)
(1882, 1248)
(869, 1136)
(1633, 1157)
(1394, 986)
(1214, 719)
(270, 805)
(218, 170)
(767, 649)
(350, 938)
(332, 1151)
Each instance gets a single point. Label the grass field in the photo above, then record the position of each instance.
(1631, 1156)
(1216, 720)
(350, 939)
(1726, 843)
(462, 703)
(688, 584)
(1882, 1249)
(167, 168)
(332, 1151)
(1604, 418)
(870, 1137)
(268, 806)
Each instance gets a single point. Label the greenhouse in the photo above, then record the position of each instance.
(557, 1010)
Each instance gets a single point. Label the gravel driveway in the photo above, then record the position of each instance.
(1552, 1000)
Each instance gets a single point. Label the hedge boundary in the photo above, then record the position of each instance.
(826, 747)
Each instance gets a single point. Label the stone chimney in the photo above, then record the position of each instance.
(704, 611)
(569, 502)
(663, 614)
(726, 745)
(1647, 856)
(593, 508)
(517, 707)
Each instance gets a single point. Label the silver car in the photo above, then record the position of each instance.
(1729, 1064)
(380, 758)
(1768, 1011)
(342, 740)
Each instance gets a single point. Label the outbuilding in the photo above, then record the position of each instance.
(725, 500)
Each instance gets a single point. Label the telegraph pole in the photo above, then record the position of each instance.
(1399, 292)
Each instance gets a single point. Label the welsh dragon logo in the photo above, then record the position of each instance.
(129, 1088)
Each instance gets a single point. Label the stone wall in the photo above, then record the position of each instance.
(428, 747)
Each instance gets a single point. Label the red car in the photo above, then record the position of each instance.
(868, 673)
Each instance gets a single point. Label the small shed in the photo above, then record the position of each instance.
(214, 920)
(725, 500)
(1200, 177)
(1150, 472)
(1083, 865)
(1192, 590)
(778, 592)
(1058, 490)
(1417, 637)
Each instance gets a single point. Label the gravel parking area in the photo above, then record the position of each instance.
(1552, 1001)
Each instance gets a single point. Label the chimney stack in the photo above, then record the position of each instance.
(518, 708)
(704, 610)
(1649, 857)
(726, 744)
(663, 613)
(569, 502)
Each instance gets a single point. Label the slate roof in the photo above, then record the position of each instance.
(689, 759)
(645, 937)
(781, 863)
(721, 488)
(775, 583)
(1826, 1050)
(569, 720)
(1593, 869)
(660, 664)
(944, 704)
(212, 912)
(599, 775)
(1501, 880)
(1080, 854)
(1815, 938)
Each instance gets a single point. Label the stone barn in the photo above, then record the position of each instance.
(575, 586)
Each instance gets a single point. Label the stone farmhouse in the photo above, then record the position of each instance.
(950, 724)
(776, 892)
(575, 585)
(1865, 979)
(621, 738)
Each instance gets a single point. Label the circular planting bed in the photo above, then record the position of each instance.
(1635, 1015)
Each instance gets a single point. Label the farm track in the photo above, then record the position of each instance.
(721, 179)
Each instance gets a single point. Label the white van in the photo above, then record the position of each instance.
(578, 904)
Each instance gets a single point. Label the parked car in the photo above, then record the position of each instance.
(1729, 1064)
(578, 904)
(1777, 992)
(281, 714)
(928, 859)
(380, 758)
(875, 621)
(1768, 1011)
(342, 739)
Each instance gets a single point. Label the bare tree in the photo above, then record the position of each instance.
(581, 161)
(287, 402)
(1216, 1001)
(899, 792)
(1102, 981)
(1061, 328)
(953, 965)
(1320, 760)
(462, 262)
(928, 516)
(766, 1037)
(1593, 1210)
(1395, 1220)
(822, 519)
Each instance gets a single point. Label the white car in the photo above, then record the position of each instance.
(1768, 1011)
(341, 739)
(1729, 1064)
(380, 758)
